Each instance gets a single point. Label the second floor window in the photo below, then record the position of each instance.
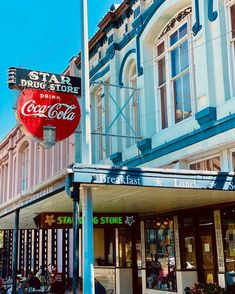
(132, 112)
(210, 164)
(172, 62)
(24, 169)
(232, 40)
(99, 124)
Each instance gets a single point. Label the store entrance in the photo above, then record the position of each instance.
(207, 265)
(198, 241)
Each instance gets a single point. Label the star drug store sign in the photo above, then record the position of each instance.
(46, 101)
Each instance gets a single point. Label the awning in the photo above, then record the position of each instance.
(136, 190)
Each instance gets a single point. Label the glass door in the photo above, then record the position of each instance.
(199, 246)
(207, 267)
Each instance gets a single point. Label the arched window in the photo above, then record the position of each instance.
(24, 166)
(173, 71)
(99, 125)
(132, 110)
(13, 178)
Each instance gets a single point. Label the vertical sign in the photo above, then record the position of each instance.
(219, 241)
(177, 242)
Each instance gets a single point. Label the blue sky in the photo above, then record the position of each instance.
(41, 35)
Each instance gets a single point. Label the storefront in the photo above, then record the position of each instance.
(155, 231)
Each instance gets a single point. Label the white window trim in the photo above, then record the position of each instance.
(169, 87)
(134, 120)
(206, 158)
(230, 159)
(100, 154)
(231, 51)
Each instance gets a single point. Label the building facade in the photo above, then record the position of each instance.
(162, 84)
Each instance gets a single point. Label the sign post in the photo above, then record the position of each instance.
(87, 210)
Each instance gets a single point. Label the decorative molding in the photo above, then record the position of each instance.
(212, 15)
(146, 16)
(131, 51)
(197, 26)
(144, 145)
(176, 19)
(207, 115)
(203, 133)
(100, 74)
(116, 158)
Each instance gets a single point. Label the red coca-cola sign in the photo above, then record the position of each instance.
(39, 108)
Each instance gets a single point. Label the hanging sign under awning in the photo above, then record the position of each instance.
(59, 220)
(19, 78)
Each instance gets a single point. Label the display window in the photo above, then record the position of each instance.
(228, 222)
(125, 247)
(160, 254)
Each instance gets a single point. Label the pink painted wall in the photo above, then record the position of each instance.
(24, 163)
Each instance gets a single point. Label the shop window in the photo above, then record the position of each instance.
(173, 72)
(228, 221)
(160, 254)
(188, 243)
(190, 253)
(110, 250)
(210, 164)
(125, 248)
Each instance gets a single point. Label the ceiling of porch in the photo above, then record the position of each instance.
(142, 200)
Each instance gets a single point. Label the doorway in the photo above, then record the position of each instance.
(199, 246)
(206, 254)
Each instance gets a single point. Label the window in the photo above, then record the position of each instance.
(137, 12)
(160, 254)
(233, 160)
(99, 124)
(161, 66)
(24, 169)
(232, 36)
(228, 221)
(173, 73)
(210, 164)
(132, 115)
(125, 247)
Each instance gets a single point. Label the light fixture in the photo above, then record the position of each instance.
(49, 134)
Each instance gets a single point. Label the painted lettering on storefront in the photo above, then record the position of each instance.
(185, 183)
(120, 180)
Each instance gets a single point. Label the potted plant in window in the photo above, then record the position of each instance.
(203, 288)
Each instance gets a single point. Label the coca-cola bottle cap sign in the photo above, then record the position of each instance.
(39, 108)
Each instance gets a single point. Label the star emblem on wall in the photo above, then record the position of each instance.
(158, 182)
(50, 219)
(129, 220)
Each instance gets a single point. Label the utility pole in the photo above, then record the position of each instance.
(87, 208)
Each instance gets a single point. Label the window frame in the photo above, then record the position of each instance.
(131, 109)
(230, 46)
(99, 125)
(206, 158)
(134, 103)
(168, 70)
(24, 167)
(153, 226)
